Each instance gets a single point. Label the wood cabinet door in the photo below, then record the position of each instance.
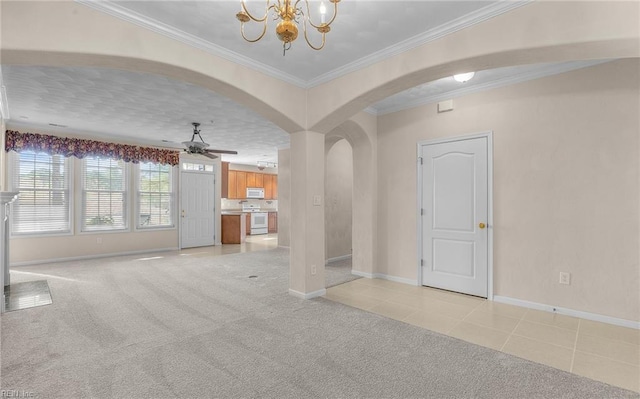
(268, 187)
(248, 224)
(260, 180)
(241, 184)
(274, 183)
(224, 185)
(251, 179)
(232, 186)
(273, 222)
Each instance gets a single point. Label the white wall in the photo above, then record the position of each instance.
(338, 200)
(566, 186)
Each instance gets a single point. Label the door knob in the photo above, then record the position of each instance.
(482, 225)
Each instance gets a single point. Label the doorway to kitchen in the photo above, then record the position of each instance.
(455, 214)
(197, 204)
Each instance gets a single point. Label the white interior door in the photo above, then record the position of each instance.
(197, 209)
(455, 214)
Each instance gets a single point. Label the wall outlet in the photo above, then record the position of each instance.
(98, 240)
(313, 270)
(565, 278)
(317, 200)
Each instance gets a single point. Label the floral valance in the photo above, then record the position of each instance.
(80, 148)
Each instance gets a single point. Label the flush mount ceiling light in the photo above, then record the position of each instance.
(463, 77)
(290, 16)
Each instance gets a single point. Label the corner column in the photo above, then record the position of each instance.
(307, 258)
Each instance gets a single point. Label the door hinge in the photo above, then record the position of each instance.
(421, 160)
(421, 262)
(421, 211)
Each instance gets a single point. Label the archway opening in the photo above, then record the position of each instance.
(338, 211)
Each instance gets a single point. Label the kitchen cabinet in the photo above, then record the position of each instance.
(273, 222)
(232, 185)
(235, 183)
(234, 228)
(224, 190)
(274, 182)
(268, 187)
(251, 179)
(241, 185)
(248, 223)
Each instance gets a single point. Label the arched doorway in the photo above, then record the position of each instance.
(338, 214)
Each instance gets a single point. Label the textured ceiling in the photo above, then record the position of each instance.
(147, 109)
(137, 107)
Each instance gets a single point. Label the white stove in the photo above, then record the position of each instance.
(259, 220)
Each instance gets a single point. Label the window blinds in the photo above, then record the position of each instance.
(104, 194)
(155, 196)
(43, 182)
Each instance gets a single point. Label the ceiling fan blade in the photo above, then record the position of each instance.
(222, 151)
(210, 156)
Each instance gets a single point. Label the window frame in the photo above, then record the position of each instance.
(13, 160)
(126, 174)
(173, 198)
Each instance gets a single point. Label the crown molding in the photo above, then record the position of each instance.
(463, 22)
(125, 14)
(519, 78)
(371, 111)
(438, 32)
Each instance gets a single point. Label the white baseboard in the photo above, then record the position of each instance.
(309, 295)
(283, 246)
(569, 312)
(338, 258)
(383, 276)
(87, 257)
(395, 279)
(361, 274)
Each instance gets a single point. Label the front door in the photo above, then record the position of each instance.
(455, 210)
(197, 203)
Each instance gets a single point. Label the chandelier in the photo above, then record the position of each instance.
(290, 16)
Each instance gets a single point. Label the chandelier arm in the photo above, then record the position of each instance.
(335, 13)
(307, 39)
(264, 30)
(266, 12)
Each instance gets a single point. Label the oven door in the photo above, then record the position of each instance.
(259, 223)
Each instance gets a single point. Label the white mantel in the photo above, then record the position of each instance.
(6, 198)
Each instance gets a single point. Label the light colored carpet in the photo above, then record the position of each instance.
(199, 327)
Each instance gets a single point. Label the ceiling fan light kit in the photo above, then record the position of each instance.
(290, 16)
(200, 147)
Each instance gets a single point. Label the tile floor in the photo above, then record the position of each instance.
(253, 243)
(595, 350)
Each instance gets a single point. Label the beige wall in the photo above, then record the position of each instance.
(284, 197)
(338, 200)
(566, 186)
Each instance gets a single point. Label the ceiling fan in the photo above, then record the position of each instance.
(200, 147)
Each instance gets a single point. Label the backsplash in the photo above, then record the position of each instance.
(236, 204)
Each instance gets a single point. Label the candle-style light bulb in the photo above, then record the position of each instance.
(323, 12)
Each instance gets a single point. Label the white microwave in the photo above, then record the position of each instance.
(255, 192)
